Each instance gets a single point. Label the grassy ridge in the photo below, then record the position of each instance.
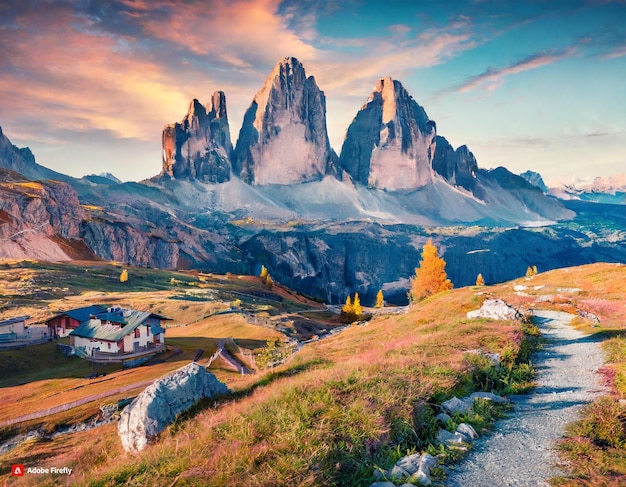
(345, 405)
(337, 410)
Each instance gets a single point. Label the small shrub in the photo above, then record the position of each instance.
(480, 281)
(604, 423)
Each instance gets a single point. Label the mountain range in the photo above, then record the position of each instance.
(324, 224)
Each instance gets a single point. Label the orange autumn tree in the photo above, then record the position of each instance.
(430, 277)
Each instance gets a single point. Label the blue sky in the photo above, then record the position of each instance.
(88, 85)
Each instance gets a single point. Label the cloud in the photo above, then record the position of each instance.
(492, 79)
(617, 52)
(399, 29)
(377, 56)
(60, 71)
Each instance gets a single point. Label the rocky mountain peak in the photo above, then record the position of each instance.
(22, 160)
(284, 139)
(199, 147)
(459, 167)
(218, 104)
(535, 179)
(391, 142)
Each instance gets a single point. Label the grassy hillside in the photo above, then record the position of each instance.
(342, 405)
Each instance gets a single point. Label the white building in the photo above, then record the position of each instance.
(118, 335)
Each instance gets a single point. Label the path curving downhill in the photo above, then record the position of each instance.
(520, 452)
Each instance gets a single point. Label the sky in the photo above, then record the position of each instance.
(88, 85)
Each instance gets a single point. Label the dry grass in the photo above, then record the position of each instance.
(338, 407)
(327, 416)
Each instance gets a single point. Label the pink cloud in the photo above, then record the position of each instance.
(79, 80)
(251, 28)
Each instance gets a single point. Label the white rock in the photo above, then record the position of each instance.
(429, 461)
(495, 309)
(489, 396)
(398, 472)
(383, 484)
(467, 430)
(450, 439)
(456, 405)
(410, 463)
(443, 418)
(159, 404)
(422, 477)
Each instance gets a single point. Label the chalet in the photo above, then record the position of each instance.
(61, 324)
(13, 328)
(119, 335)
(14, 333)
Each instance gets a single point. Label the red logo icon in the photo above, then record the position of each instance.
(17, 470)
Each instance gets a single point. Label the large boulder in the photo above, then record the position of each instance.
(495, 309)
(159, 404)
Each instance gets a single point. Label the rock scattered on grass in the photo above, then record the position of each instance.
(495, 309)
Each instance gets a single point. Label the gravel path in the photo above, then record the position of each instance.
(520, 451)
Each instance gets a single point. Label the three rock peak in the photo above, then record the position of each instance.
(390, 143)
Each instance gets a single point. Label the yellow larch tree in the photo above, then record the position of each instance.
(357, 310)
(347, 308)
(380, 299)
(430, 277)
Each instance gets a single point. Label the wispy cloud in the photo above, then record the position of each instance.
(617, 52)
(492, 78)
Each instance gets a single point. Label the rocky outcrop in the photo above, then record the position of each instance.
(199, 147)
(22, 161)
(458, 167)
(121, 241)
(283, 139)
(39, 219)
(535, 179)
(495, 309)
(159, 404)
(391, 142)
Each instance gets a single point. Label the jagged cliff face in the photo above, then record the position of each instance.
(391, 142)
(458, 167)
(284, 139)
(535, 179)
(39, 219)
(199, 147)
(22, 161)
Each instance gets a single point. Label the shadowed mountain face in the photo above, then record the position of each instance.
(22, 161)
(199, 147)
(390, 144)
